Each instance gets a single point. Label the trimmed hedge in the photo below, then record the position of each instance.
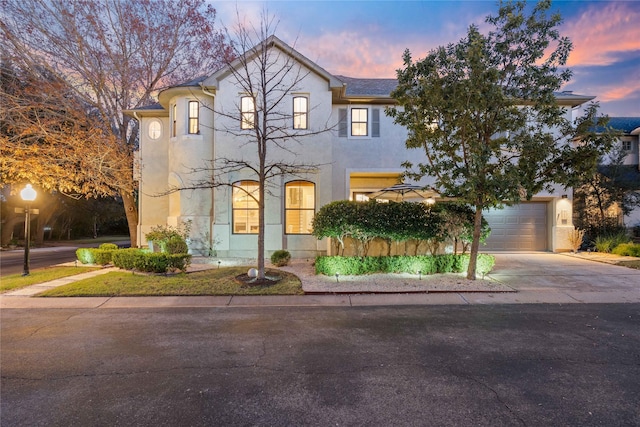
(150, 262)
(426, 264)
(98, 256)
(627, 249)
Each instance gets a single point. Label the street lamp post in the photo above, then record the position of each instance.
(28, 194)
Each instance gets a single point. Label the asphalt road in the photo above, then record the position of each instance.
(12, 262)
(506, 365)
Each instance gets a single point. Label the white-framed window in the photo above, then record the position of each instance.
(155, 129)
(300, 206)
(300, 112)
(359, 122)
(194, 117)
(627, 146)
(174, 120)
(245, 207)
(247, 112)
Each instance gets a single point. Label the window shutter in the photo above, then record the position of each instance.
(375, 122)
(342, 122)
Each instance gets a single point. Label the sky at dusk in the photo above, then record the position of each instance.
(367, 38)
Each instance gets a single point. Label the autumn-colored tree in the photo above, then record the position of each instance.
(109, 56)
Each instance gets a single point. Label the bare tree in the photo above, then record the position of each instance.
(114, 55)
(267, 71)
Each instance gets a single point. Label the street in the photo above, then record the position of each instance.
(12, 262)
(546, 364)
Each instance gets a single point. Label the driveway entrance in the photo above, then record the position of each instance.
(564, 273)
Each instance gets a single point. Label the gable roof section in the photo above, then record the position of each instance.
(273, 42)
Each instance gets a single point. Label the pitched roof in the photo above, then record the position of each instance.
(625, 124)
(365, 87)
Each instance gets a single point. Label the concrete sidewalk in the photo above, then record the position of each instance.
(531, 278)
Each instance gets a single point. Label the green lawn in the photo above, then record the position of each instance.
(209, 282)
(630, 264)
(41, 275)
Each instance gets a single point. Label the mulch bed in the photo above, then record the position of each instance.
(247, 281)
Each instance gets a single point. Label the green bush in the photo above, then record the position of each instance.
(425, 264)
(176, 245)
(280, 258)
(85, 256)
(627, 249)
(108, 246)
(101, 256)
(149, 262)
(94, 255)
(608, 242)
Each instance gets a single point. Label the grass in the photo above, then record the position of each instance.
(630, 264)
(41, 275)
(209, 282)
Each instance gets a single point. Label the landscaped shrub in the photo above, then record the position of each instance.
(353, 266)
(101, 256)
(167, 238)
(627, 249)
(608, 242)
(396, 222)
(176, 245)
(149, 262)
(84, 255)
(108, 246)
(280, 258)
(94, 255)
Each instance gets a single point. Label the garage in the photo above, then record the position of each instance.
(517, 228)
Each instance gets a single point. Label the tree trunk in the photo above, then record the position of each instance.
(475, 244)
(131, 211)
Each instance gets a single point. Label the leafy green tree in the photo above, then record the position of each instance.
(485, 114)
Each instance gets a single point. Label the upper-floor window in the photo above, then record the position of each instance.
(300, 206)
(359, 122)
(247, 113)
(174, 120)
(300, 112)
(194, 112)
(626, 145)
(245, 207)
(155, 129)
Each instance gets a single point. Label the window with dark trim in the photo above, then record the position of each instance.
(245, 207)
(300, 112)
(247, 113)
(194, 112)
(300, 207)
(359, 121)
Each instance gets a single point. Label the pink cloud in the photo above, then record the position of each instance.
(599, 32)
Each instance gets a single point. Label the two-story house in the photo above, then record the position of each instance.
(356, 147)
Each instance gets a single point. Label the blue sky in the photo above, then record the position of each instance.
(367, 38)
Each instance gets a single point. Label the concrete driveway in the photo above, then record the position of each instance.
(566, 275)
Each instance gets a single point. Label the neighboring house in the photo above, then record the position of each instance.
(630, 168)
(362, 153)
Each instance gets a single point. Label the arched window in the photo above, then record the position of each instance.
(245, 207)
(300, 206)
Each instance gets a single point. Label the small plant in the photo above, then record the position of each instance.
(627, 249)
(177, 245)
(280, 258)
(161, 235)
(576, 237)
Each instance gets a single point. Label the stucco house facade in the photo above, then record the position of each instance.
(356, 147)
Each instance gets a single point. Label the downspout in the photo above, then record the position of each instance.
(212, 238)
(139, 228)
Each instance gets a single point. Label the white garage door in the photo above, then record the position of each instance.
(521, 227)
